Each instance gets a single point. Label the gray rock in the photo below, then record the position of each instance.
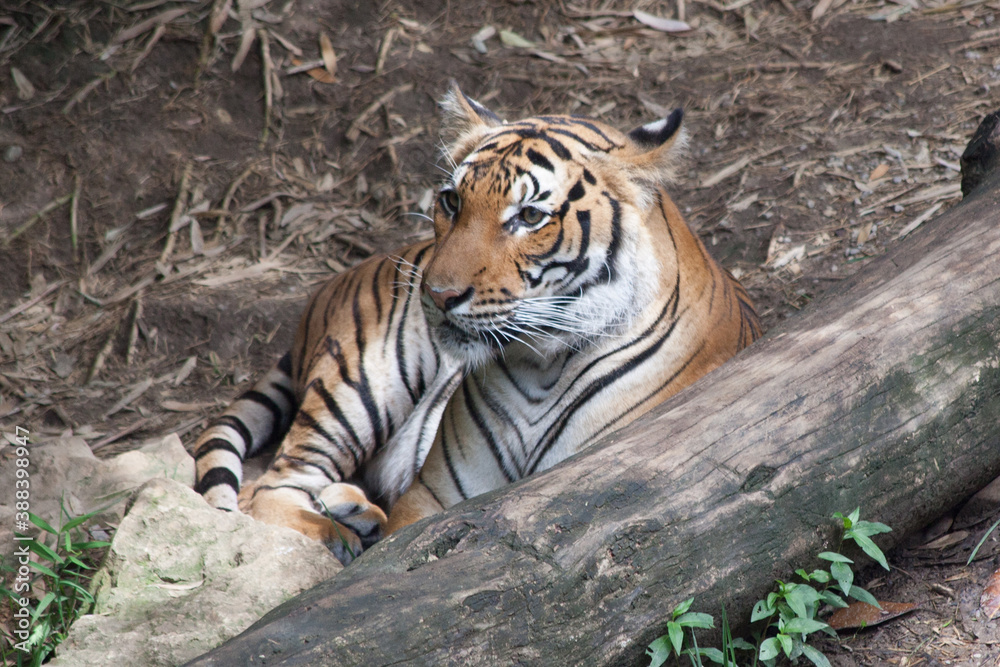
(182, 577)
(12, 153)
(65, 472)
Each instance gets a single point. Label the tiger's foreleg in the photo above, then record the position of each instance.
(352, 524)
(414, 505)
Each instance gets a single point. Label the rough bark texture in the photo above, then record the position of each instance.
(884, 395)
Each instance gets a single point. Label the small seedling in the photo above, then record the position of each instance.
(64, 561)
(787, 616)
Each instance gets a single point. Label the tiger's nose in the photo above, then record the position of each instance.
(448, 298)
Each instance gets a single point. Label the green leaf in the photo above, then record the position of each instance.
(861, 594)
(803, 626)
(73, 523)
(38, 521)
(743, 645)
(786, 643)
(79, 563)
(659, 651)
(975, 551)
(761, 610)
(676, 634)
(869, 528)
(801, 597)
(87, 546)
(871, 549)
(805, 575)
(694, 619)
(83, 591)
(844, 576)
(821, 576)
(835, 557)
(713, 654)
(815, 656)
(42, 604)
(682, 607)
(832, 599)
(769, 648)
(854, 516)
(38, 567)
(45, 552)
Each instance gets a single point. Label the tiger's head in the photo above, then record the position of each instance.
(541, 237)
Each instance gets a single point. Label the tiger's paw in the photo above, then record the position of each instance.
(294, 508)
(347, 505)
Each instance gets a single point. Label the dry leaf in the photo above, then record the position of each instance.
(945, 541)
(479, 39)
(791, 255)
(661, 24)
(989, 601)
(246, 41)
(178, 406)
(862, 614)
(25, 90)
(329, 56)
(725, 172)
(878, 172)
(219, 17)
(511, 38)
(744, 203)
(318, 73)
(864, 233)
(821, 8)
(777, 239)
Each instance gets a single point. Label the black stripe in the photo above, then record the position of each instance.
(608, 270)
(561, 151)
(277, 413)
(285, 364)
(610, 426)
(306, 420)
(358, 451)
(671, 306)
(540, 160)
(215, 477)
(362, 386)
(287, 393)
(401, 338)
(299, 463)
(235, 423)
(576, 192)
(484, 430)
(375, 289)
(305, 326)
(446, 449)
(214, 445)
(593, 389)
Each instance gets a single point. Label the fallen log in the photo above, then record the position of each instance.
(883, 395)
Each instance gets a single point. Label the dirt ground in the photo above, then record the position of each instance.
(175, 177)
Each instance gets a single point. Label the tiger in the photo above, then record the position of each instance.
(562, 296)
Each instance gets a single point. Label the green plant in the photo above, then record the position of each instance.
(788, 615)
(60, 575)
(979, 546)
(336, 526)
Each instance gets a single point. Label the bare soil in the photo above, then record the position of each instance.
(168, 198)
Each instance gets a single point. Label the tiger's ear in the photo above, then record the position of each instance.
(656, 149)
(464, 121)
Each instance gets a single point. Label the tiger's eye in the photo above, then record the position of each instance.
(532, 216)
(450, 201)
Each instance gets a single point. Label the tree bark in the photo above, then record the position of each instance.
(884, 395)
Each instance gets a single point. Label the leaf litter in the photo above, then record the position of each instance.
(183, 176)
